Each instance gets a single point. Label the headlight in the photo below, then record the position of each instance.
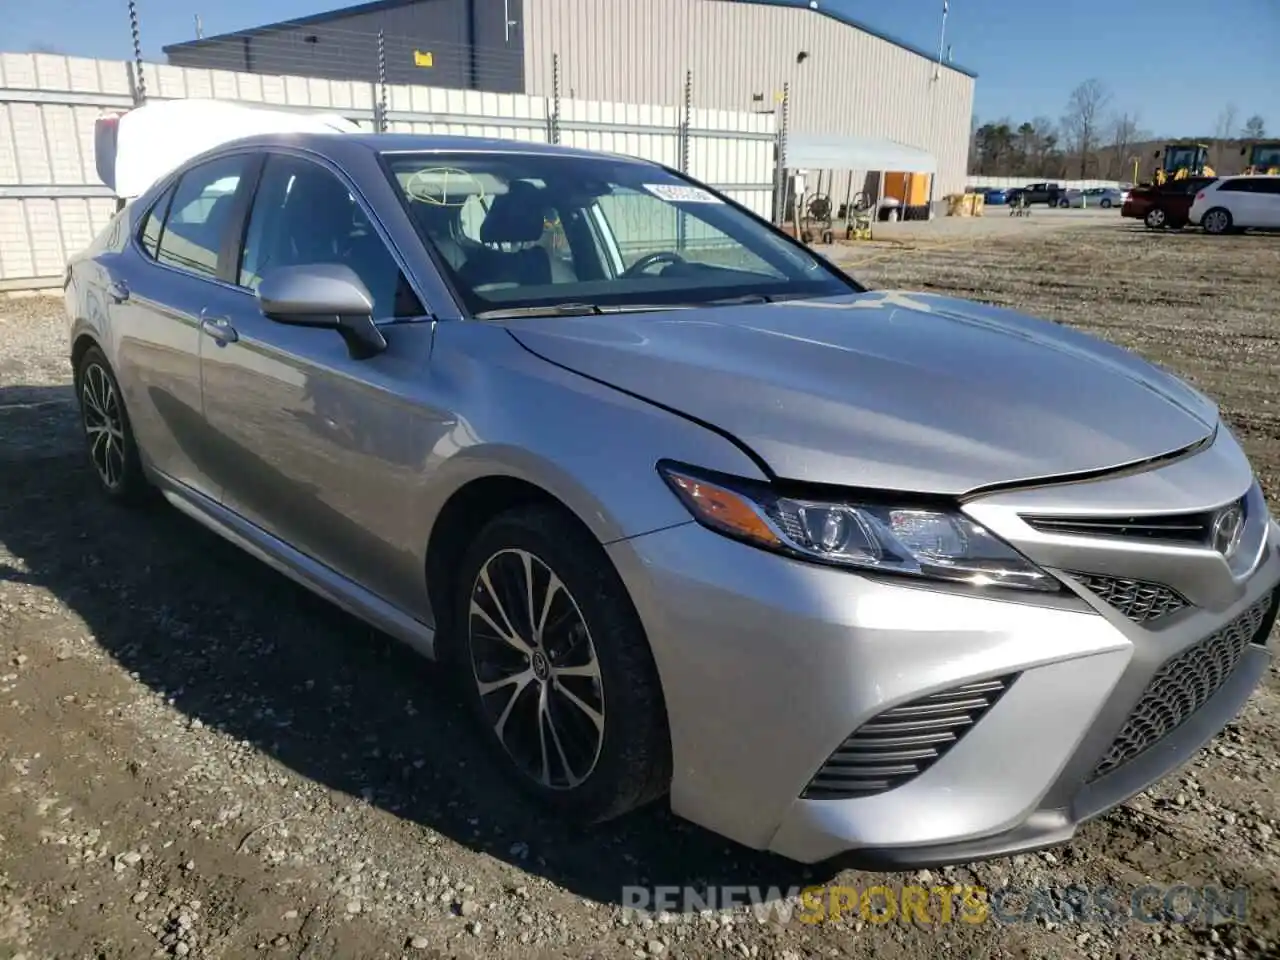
(938, 544)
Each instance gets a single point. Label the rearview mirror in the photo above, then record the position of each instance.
(326, 295)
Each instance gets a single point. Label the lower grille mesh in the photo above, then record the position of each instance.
(1185, 684)
(901, 743)
(1138, 600)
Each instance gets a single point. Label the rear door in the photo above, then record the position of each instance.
(1178, 195)
(1247, 204)
(1267, 197)
(157, 303)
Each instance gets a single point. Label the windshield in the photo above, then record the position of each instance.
(521, 232)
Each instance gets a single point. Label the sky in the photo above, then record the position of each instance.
(1177, 63)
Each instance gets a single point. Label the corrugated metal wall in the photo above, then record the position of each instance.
(850, 83)
(52, 202)
(467, 40)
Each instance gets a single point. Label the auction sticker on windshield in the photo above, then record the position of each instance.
(676, 193)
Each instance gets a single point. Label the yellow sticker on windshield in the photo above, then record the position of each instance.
(679, 193)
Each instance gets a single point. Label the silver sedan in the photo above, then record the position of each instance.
(685, 511)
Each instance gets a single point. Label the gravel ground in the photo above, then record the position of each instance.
(199, 759)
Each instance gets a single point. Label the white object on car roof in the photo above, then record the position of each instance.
(135, 149)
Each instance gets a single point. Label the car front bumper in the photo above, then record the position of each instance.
(769, 664)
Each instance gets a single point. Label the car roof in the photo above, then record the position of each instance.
(335, 145)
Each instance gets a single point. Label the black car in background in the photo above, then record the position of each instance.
(1049, 193)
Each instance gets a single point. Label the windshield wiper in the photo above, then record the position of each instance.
(549, 310)
(574, 310)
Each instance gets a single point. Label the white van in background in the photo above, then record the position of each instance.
(136, 148)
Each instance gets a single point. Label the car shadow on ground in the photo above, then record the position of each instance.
(245, 651)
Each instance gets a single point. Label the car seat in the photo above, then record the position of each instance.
(514, 218)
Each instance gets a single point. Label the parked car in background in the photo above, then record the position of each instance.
(684, 513)
(1164, 205)
(1050, 193)
(995, 196)
(1104, 197)
(1238, 203)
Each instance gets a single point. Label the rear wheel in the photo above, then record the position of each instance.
(113, 452)
(1217, 221)
(1156, 219)
(1106, 204)
(555, 664)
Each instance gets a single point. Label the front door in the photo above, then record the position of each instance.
(323, 451)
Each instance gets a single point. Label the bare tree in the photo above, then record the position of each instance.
(1223, 133)
(1124, 135)
(1255, 128)
(1083, 120)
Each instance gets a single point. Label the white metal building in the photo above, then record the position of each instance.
(846, 80)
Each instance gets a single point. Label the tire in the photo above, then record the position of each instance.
(1064, 203)
(1217, 221)
(605, 770)
(1156, 219)
(1106, 204)
(110, 444)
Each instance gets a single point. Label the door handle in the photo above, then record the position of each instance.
(118, 291)
(219, 328)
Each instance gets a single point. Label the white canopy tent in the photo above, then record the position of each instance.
(815, 152)
(811, 152)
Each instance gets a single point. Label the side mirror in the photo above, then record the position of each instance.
(325, 295)
(1243, 151)
(1156, 154)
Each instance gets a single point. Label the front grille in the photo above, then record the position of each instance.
(1185, 684)
(901, 743)
(1187, 528)
(1139, 600)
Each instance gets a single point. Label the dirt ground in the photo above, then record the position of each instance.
(199, 759)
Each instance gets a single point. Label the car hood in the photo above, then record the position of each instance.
(888, 390)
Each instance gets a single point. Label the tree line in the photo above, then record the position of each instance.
(1093, 140)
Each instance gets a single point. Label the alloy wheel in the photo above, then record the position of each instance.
(536, 670)
(1217, 221)
(103, 424)
(1155, 218)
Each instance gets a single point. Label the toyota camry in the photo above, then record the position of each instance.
(688, 513)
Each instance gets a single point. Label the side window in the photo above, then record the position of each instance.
(1269, 185)
(303, 214)
(198, 214)
(1236, 186)
(153, 223)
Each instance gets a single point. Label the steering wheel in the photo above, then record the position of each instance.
(650, 260)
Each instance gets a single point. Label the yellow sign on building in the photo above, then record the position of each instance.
(421, 58)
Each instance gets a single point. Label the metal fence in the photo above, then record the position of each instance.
(52, 202)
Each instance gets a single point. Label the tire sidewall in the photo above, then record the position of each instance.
(636, 742)
(1156, 219)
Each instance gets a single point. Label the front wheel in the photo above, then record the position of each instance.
(1106, 204)
(1217, 221)
(557, 668)
(113, 451)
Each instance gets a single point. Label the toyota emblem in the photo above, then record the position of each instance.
(1228, 528)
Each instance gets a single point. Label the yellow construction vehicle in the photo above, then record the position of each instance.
(1182, 160)
(1263, 157)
